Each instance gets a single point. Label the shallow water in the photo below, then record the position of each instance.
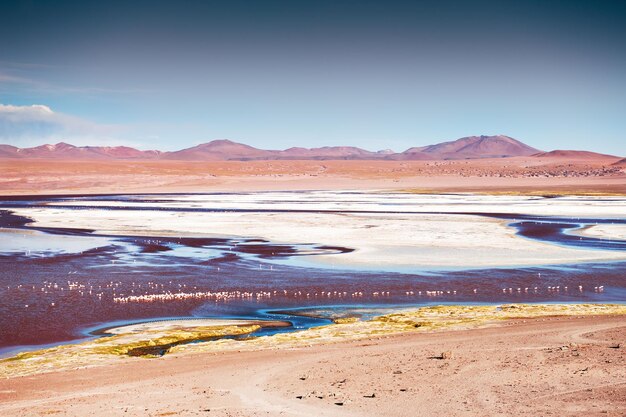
(59, 284)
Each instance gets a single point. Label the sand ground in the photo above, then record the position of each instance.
(550, 366)
(521, 174)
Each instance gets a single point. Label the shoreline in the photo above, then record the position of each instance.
(519, 366)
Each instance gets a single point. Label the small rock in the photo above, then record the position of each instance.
(370, 396)
(339, 403)
(615, 346)
(446, 355)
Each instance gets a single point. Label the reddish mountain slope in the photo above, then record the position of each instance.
(413, 154)
(218, 150)
(476, 147)
(568, 154)
(8, 151)
(122, 152)
(328, 152)
(63, 150)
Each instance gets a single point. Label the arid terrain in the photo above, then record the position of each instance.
(516, 174)
(547, 366)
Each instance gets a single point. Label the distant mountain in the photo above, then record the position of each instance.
(327, 152)
(218, 150)
(567, 154)
(8, 151)
(413, 154)
(470, 147)
(63, 150)
(226, 150)
(620, 163)
(122, 152)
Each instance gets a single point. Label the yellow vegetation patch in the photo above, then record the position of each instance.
(148, 343)
(432, 318)
(586, 192)
(346, 320)
(116, 345)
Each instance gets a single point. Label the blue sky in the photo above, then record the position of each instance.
(276, 74)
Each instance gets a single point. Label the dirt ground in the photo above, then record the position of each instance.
(552, 366)
(521, 175)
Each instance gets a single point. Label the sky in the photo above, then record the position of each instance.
(274, 74)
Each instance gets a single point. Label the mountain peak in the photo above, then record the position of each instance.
(218, 150)
(63, 145)
(222, 142)
(570, 154)
(483, 146)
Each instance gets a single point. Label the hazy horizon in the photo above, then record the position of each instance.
(278, 74)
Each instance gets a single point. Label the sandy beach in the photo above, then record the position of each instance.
(544, 366)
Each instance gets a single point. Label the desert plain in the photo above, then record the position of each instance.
(563, 174)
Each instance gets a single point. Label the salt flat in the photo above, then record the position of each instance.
(373, 200)
(605, 231)
(32, 241)
(387, 230)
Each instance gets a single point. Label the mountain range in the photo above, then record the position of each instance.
(471, 147)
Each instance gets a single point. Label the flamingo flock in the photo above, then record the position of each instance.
(167, 291)
(226, 296)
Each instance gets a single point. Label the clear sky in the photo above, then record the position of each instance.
(276, 74)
